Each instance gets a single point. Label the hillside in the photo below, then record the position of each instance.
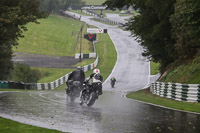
(53, 36)
(188, 73)
(94, 2)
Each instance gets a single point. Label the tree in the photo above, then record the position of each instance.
(186, 28)
(73, 3)
(51, 6)
(118, 3)
(152, 27)
(14, 15)
(23, 72)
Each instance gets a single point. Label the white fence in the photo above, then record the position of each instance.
(177, 91)
(58, 82)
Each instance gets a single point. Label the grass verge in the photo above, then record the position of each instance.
(52, 74)
(8, 126)
(53, 36)
(94, 2)
(79, 12)
(107, 57)
(98, 20)
(186, 73)
(154, 68)
(146, 96)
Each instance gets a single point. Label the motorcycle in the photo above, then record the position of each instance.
(90, 93)
(112, 83)
(74, 89)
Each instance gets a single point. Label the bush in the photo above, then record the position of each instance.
(23, 72)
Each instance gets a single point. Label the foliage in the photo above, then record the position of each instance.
(13, 16)
(186, 28)
(93, 2)
(188, 73)
(53, 6)
(23, 72)
(51, 74)
(152, 28)
(113, 4)
(168, 30)
(5, 63)
(154, 68)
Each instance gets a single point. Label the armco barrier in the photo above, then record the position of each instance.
(43, 86)
(85, 56)
(11, 84)
(89, 55)
(58, 82)
(100, 18)
(177, 91)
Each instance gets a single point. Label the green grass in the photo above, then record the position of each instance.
(188, 73)
(147, 96)
(107, 57)
(2, 89)
(9, 126)
(84, 62)
(53, 36)
(52, 73)
(154, 68)
(98, 20)
(94, 2)
(115, 12)
(107, 54)
(107, 11)
(79, 12)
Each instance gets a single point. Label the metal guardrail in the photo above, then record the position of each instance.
(44, 86)
(58, 82)
(100, 18)
(177, 91)
(62, 80)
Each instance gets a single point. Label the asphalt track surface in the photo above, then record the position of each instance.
(37, 60)
(112, 112)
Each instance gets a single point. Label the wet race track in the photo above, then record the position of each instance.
(112, 112)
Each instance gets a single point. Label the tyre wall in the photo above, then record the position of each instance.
(177, 91)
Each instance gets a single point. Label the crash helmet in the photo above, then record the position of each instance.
(97, 71)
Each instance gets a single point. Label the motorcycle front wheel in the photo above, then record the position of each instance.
(93, 97)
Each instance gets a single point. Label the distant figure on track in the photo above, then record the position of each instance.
(112, 81)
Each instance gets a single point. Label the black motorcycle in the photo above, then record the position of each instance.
(74, 89)
(90, 93)
(112, 83)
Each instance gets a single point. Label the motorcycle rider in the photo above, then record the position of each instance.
(95, 77)
(113, 80)
(76, 75)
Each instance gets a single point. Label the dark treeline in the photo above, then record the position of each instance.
(51, 6)
(14, 15)
(169, 30)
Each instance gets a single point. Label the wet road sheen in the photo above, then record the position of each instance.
(109, 114)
